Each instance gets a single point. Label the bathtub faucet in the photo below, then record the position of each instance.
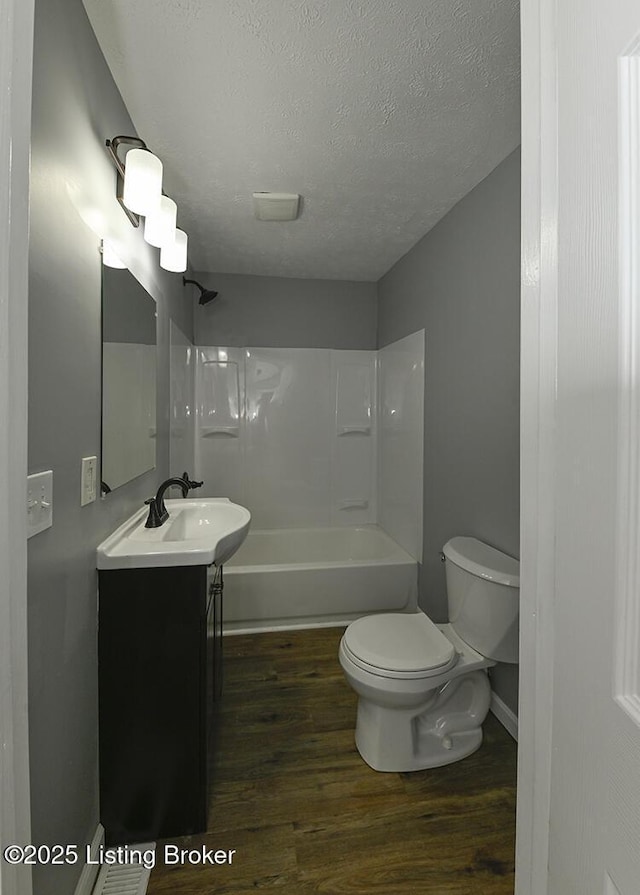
(158, 513)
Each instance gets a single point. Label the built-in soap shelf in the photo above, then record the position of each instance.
(354, 503)
(354, 430)
(225, 431)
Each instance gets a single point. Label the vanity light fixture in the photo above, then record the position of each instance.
(142, 181)
(113, 148)
(160, 224)
(139, 192)
(173, 255)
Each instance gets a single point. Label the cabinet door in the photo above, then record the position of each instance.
(153, 745)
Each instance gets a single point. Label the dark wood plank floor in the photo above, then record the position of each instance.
(305, 814)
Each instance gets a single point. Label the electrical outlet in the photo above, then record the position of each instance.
(88, 481)
(39, 502)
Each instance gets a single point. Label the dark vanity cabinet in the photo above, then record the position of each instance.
(160, 673)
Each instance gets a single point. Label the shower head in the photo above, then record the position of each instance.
(206, 295)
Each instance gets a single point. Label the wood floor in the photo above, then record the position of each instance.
(305, 814)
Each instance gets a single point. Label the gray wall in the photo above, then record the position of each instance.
(275, 312)
(461, 282)
(76, 106)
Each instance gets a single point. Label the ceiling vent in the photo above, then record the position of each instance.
(276, 206)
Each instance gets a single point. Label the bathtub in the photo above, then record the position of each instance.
(301, 578)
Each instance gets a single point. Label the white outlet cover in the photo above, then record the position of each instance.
(39, 502)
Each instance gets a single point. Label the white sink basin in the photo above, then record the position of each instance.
(198, 532)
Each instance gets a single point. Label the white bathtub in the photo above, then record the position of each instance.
(291, 578)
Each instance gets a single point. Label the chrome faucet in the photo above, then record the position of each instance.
(158, 513)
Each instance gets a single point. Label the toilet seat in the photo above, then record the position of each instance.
(399, 645)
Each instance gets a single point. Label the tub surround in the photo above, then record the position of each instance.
(315, 437)
(401, 440)
(290, 433)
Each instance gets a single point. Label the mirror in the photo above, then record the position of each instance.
(128, 379)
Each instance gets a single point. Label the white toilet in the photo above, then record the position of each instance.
(423, 688)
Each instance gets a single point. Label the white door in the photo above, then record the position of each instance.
(16, 54)
(580, 770)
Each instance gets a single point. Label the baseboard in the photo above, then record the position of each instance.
(90, 871)
(505, 716)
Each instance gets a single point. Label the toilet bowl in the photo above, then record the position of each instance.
(423, 690)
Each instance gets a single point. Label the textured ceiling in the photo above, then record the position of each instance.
(382, 114)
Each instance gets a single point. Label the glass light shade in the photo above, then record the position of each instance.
(173, 256)
(160, 224)
(142, 181)
(109, 257)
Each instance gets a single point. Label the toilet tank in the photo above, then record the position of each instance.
(483, 592)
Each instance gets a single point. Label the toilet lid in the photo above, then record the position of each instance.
(399, 642)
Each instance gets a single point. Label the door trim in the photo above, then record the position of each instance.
(16, 28)
(539, 288)
(627, 640)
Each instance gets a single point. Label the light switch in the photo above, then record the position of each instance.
(39, 502)
(88, 487)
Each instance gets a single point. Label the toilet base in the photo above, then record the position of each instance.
(444, 729)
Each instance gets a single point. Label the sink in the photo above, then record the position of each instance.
(198, 532)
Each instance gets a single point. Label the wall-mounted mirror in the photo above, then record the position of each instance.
(128, 379)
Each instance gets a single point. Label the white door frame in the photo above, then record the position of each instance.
(537, 431)
(16, 55)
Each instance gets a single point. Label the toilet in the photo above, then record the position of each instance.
(423, 688)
